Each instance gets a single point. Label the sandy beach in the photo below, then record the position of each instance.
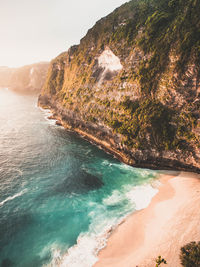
(171, 220)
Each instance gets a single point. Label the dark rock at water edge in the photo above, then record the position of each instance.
(79, 182)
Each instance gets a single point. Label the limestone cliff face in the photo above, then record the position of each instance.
(132, 84)
(28, 79)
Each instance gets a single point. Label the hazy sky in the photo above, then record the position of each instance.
(39, 30)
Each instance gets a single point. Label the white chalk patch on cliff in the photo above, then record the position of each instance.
(109, 62)
(31, 79)
(31, 71)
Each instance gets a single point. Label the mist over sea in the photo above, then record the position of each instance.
(59, 195)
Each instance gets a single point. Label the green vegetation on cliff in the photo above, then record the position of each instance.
(151, 120)
(174, 26)
(153, 102)
(190, 255)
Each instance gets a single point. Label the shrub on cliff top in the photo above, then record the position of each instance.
(190, 255)
(159, 261)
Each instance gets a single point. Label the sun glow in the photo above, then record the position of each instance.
(33, 31)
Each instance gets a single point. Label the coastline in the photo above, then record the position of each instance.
(148, 233)
(126, 243)
(170, 221)
(91, 138)
(108, 146)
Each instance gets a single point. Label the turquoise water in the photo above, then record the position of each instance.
(57, 190)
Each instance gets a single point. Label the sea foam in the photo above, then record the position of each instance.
(47, 113)
(13, 197)
(141, 195)
(85, 252)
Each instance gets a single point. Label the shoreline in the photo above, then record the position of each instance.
(120, 155)
(90, 244)
(169, 222)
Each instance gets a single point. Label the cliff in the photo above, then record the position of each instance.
(132, 84)
(28, 78)
(5, 76)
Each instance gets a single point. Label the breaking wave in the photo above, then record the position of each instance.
(85, 252)
(13, 197)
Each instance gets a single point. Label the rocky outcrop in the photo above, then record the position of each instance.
(132, 85)
(28, 79)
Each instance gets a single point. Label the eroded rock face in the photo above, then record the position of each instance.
(133, 86)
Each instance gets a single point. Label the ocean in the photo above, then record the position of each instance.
(60, 195)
